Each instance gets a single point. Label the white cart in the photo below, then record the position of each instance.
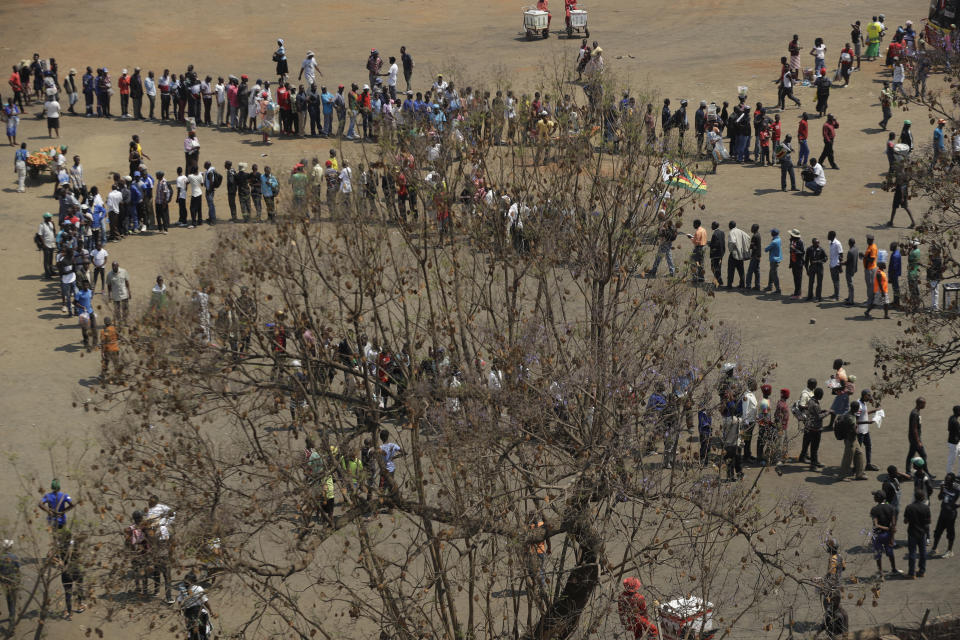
(578, 22)
(536, 23)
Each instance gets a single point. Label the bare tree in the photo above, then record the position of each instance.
(502, 337)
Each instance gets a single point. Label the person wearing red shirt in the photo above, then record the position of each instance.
(846, 63)
(542, 6)
(775, 130)
(829, 135)
(632, 607)
(16, 84)
(568, 6)
(124, 85)
(804, 153)
(283, 102)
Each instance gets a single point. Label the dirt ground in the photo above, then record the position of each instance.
(694, 49)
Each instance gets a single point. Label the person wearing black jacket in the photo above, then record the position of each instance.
(700, 124)
(796, 262)
(718, 246)
(742, 120)
(917, 518)
(136, 94)
(884, 519)
(759, 115)
(756, 252)
(949, 493)
(813, 260)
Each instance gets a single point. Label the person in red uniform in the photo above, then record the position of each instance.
(542, 6)
(632, 608)
(568, 6)
(802, 132)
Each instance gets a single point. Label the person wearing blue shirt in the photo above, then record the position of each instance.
(327, 99)
(438, 118)
(776, 255)
(939, 143)
(20, 166)
(268, 189)
(894, 269)
(56, 503)
(146, 185)
(83, 297)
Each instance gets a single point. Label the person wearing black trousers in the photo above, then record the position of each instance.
(813, 260)
(813, 428)
(796, 262)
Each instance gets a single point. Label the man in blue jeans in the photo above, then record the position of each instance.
(210, 187)
(327, 99)
(917, 518)
(776, 256)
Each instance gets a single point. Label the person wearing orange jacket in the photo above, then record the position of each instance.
(880, 289)
(632, 607)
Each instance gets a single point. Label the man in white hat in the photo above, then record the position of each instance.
(309, 68)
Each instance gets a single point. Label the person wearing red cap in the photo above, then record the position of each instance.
(632, 607)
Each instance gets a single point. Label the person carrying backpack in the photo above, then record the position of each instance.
(845, 428)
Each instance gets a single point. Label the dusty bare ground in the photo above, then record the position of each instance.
(692, 49)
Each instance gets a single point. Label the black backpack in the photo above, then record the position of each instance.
(844, 427)
(217, 179)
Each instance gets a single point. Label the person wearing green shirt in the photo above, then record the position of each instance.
(298, 187)
(913, 270)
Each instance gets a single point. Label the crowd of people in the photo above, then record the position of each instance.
(138, 200)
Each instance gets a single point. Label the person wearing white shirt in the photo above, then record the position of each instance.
(161, 517)
(819, 180)
(346, 183)
(440, 85)
(114, 200)
(181, 197)
(309, 68)
(221, 91)
(748, 403)
(99, 258)
(836, 262)
(195, 186)
(392, 77)
(51, 108)
(150, 88)
(865, 417)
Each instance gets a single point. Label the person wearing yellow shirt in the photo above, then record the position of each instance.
(545, 127)
(874, 29)
(880, 296)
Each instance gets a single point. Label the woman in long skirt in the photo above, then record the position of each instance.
(280, 57)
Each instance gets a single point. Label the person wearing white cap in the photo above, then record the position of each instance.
(309, 68)
(280, 57)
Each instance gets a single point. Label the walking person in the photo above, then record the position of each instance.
(666, 235)
(880, 291)
(119, 291)
(934, 275)
(914, 435)
(20, 166)
(886, 100)
(829, 136)
(947, 520)
(953, 441)
(884, 518)
(901, 198)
